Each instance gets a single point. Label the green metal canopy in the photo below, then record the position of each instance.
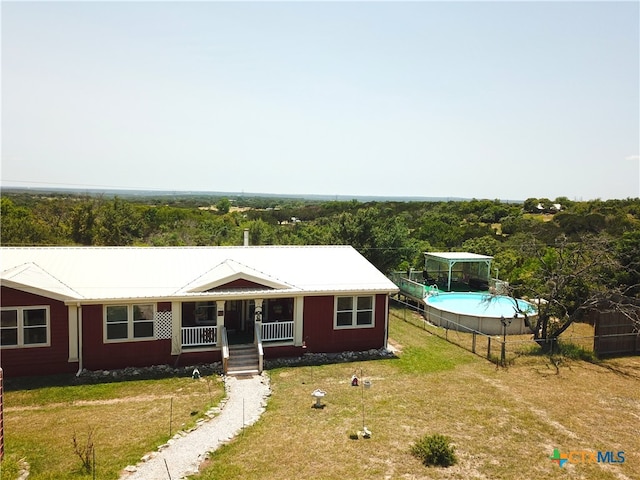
(460, 267)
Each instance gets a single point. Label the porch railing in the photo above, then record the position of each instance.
(199, 336)
(276, 331)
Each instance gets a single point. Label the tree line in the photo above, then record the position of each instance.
(578, 257)
(392, 235)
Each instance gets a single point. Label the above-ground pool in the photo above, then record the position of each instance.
(478, 311)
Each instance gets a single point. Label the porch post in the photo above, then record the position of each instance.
(220, 309)
(258, 314)
(176, 328)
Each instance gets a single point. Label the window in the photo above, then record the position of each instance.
(277, 310)
(24, 327)
(206, 313)
(354, 312)
(125, 322)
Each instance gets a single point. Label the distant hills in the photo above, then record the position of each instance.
(125, 193)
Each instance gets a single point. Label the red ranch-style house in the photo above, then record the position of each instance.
(65, 309)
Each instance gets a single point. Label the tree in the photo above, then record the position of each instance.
(381, 239)
(628, 252)
(83, 222)
(119, 224)
(531, 205)
(487, 245)
(223, 205)
(20, 226)
(570, 279)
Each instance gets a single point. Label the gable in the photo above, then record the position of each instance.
(31, 278)
(241, 283)
(231, 274)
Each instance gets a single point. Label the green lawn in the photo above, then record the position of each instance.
(504, 423)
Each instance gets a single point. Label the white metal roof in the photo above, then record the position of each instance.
(103, 273)
(458, 256)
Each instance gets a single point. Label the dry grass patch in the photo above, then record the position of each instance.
(130, 418)
(504, 423)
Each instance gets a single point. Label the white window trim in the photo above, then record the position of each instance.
(354, 313)
(21, 327)
(130, 324)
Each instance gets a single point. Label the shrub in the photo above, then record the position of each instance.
(575, 352)
(85, 451)
(434, 450)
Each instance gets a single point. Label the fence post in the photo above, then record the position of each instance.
(473, 342)
(489, 348)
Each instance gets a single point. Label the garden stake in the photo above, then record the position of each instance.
(170, 416)
(167, 467)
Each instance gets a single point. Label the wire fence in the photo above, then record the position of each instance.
(505, 349)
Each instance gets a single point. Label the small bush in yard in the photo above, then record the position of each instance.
(434, 450)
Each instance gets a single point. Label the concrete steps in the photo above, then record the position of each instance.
(243, 360)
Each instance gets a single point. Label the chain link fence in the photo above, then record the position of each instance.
(504, 350)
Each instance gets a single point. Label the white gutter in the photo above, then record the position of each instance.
(234, 295)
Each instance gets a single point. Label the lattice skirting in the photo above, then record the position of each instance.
(163, 322)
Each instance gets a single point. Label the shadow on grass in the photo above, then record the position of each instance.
(94, 378)
(34, 383)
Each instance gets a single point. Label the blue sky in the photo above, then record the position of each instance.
(504, 100)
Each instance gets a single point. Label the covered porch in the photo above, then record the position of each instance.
(202, 322)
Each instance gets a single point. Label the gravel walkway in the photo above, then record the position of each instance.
(183, 454)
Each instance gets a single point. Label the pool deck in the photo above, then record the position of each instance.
(418, 291)
(469, 322)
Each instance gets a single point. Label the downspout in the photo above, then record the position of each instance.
(386, 322)
(79, 340)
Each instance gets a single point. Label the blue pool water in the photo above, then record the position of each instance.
(477, 304)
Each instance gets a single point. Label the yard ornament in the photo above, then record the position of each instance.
(354, 381)
(196, 374)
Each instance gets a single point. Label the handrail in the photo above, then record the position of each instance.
(258, 343)
(225, 351)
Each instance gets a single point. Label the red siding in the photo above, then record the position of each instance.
(282, 351)
(108, 356)
(239, 283)
(39, 360)
(198, 358)
(320, 335)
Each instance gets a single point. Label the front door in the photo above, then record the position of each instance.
(238, 320)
